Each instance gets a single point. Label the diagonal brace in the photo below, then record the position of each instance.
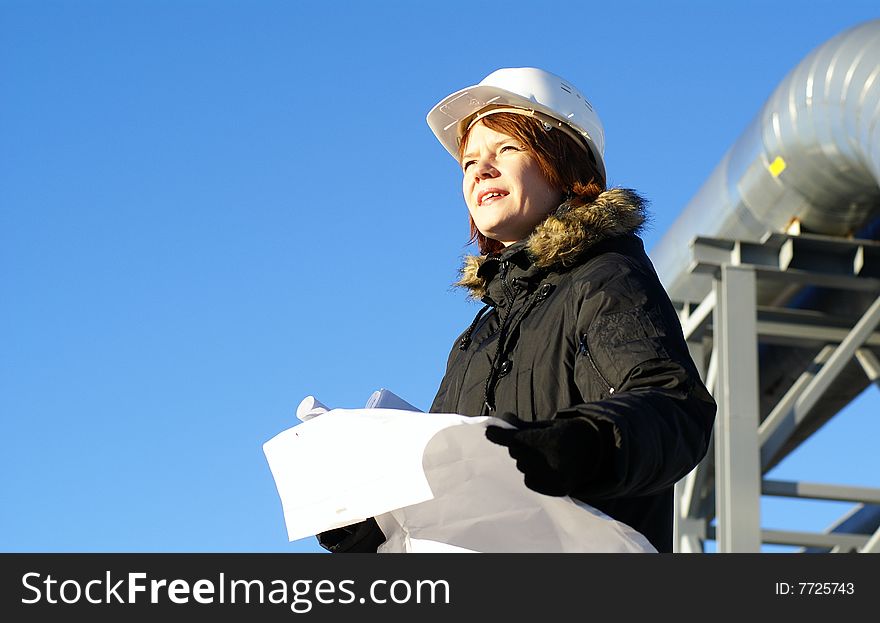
(772, 434)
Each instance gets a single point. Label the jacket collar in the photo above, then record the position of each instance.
(559, 240)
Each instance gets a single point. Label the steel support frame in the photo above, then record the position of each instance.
(731, 372)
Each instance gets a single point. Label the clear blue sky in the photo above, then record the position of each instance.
(209, 210)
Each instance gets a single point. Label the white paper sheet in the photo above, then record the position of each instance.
(432, 481)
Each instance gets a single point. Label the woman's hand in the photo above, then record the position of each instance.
(556, 456)
(362, 537)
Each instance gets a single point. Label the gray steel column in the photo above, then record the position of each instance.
(738, 470)
(689, 530)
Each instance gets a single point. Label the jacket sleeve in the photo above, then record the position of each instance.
(652, 411)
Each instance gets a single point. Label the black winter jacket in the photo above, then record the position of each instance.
(577, 325)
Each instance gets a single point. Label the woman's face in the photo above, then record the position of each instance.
(505, 191)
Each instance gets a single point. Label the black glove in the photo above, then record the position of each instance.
(557, 456)
(362, 537)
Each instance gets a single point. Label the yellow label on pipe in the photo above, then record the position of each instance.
(777, 166)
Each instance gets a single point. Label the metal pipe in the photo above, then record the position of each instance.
(811, 157)
(809, 162)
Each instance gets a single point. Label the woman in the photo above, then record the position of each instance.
(577, 343)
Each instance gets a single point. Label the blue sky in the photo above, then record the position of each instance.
(209, 210)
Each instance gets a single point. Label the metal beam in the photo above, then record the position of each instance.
(712, 373)
(806, 258)
(773, 435)
(773, 332)
(860, 519)
(873, 544)
(692, 485)
(869, 364)
(816, 491)
(846, 542)
(738, 475)
(794, 327)
(695, 322)
(688, 532)
(782, 417)
(693, 533)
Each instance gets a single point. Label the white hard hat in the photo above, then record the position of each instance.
(523, 88)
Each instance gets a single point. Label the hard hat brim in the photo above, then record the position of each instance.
(450, 117)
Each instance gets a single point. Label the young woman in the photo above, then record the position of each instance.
(577, 343)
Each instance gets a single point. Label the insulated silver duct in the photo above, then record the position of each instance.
(810, 157)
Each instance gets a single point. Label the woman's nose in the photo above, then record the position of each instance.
(483, 169)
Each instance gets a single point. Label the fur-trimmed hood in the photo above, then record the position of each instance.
(565, 235)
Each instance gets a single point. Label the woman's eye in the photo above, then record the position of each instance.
(510, 147)
(466, 164)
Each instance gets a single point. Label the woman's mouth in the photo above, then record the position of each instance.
(489, 195)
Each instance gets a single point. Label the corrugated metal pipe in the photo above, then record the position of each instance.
(809, 161)
(810, 157)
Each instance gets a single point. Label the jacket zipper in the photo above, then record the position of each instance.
(489, 390)
(586, 351)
